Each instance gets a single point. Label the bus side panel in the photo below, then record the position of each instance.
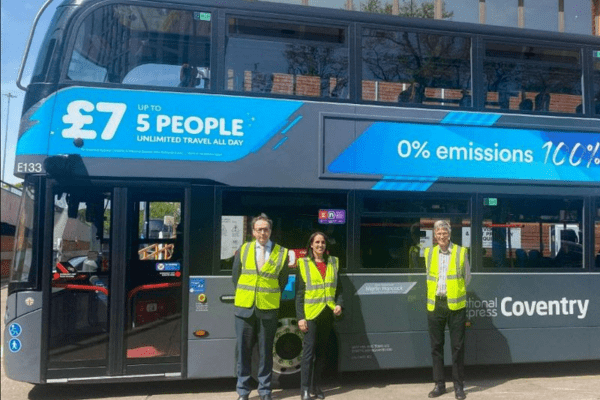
(11, 308)
(211, 310)
(22, 357)
(385, 323)
(374, 351)
(539, 345)
(511, 318)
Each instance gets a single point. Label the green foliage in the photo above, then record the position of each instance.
(159, 210)
(407, 8)
(376, 6)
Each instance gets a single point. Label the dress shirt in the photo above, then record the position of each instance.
(268, 247)
(444, 263)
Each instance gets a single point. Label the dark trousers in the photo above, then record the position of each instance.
(314, 350)
(437, 320)
(248, 331)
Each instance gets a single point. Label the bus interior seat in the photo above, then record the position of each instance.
(526, 105)
(535, 258)
(542, 101)
(569, 235)
(522, 258)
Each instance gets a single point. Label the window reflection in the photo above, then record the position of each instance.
(407, 67)
(80, 277)
(295, 217)
(143, 46)
(21, 271)
(597, 237)
(284, 58)
(390, 242)
(596, 81)
(527, 233)
(529, 78)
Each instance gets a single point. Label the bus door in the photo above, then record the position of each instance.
(153, 279)
(115, 291)
(80, 282)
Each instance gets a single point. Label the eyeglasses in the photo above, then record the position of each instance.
(442, 234)
(262, 230)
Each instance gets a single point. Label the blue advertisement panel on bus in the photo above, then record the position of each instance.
(425, 147)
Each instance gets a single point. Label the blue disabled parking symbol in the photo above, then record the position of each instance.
(14, 330)
(14, 345)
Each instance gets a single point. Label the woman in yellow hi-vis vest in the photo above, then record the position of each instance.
(318, 299)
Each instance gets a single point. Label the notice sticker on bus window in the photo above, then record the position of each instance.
(168, 266)
(332, 216)
(202, 16)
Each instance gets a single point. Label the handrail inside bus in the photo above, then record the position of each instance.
(91, 288)
(24, 60)
(152, 286)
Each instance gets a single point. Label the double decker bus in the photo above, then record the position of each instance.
(196, 115)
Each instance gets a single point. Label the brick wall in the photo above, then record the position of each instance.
(6, 252)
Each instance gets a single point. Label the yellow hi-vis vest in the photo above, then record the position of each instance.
(320, 293)
(456, 291)
(260, 288)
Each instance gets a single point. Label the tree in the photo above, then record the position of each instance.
(406, 9)
(328, 63)
(160, 210)
(376, 6)
(420, 59)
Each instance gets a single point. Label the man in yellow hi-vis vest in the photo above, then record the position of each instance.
(260, 273)
(448, 274)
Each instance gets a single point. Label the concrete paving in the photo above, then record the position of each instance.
(546, 381)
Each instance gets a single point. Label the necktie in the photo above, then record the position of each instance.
(260, 260)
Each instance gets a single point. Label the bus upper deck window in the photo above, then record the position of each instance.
(532, 79)
(142, 46)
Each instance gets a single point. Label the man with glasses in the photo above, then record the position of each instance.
(448, 274)
(260, 273)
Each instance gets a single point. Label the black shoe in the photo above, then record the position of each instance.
(437, 391)
(305, 395)
(243, 397)
(266, 397)
(459, 393)
(317, 393)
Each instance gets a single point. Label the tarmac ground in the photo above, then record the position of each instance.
(542, 381)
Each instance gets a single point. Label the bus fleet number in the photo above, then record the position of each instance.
(29, 167)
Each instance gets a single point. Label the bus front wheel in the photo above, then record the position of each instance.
(287, 354)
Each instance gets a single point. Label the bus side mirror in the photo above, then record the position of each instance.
(65, 166)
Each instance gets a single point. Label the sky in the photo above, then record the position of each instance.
(18, 16)
(17, 19)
